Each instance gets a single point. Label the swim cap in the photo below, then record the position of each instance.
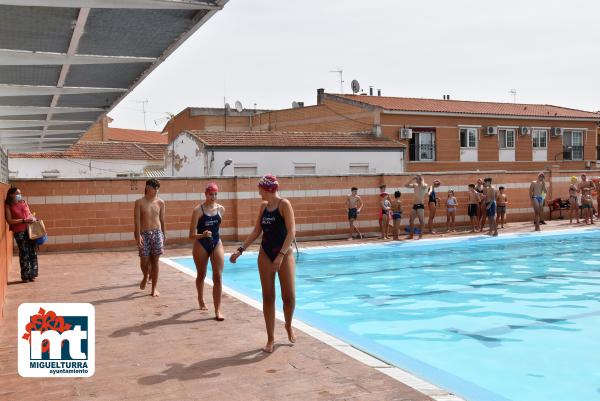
(573, 180)
(269, 183)
(383, 194)
(436, 182)
(212, 187)
(541, 174)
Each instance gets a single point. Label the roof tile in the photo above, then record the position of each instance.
(470, 107)
(278, 139)
(103, 150)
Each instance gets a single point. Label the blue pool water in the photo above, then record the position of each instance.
(514, 318)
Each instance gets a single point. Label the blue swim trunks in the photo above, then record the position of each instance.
(490, 209)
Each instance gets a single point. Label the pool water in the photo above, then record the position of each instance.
(509, 318)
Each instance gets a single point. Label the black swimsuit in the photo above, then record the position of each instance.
(210, 223)
(274, 232)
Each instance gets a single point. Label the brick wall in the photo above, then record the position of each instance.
(82, 214)
(5, 252)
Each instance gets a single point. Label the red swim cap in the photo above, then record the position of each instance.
(212, 187)
(269, 183)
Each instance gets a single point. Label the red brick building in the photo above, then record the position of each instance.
(445, 135)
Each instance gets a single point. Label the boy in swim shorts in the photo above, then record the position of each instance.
(354, 205)
(396, 214)
(472, 206)
(501, 210)
(149, 232)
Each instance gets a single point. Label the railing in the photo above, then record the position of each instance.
(572, 152)
(421, 152)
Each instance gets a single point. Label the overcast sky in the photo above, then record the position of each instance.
(272, 52)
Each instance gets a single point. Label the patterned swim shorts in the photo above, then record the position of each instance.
(152, 243)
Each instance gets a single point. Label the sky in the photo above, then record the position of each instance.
(268, 53)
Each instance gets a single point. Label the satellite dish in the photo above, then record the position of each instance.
(295, 104)
(355, 86)
(238, 106)
(227, 106)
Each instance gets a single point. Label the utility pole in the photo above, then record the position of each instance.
(144, 103)
(513, 92)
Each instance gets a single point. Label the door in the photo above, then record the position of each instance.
(468, 144)
(426, 146)
(506, 142)
(540, 145)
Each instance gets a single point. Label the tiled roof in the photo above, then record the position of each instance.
(278, 139)
(470, 107)
(103, 150)
(134, 135)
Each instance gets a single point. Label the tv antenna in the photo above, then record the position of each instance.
(341, 72)
(166, 118)
(355, 86)
(144, 103)
(513, 93)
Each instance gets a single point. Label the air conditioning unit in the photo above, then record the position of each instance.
(405, 133)
(556, 131)
(491, 130)
(524, 131)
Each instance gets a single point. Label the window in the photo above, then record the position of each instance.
(540, 138)
(359, 168)
(506, 138)
(305, 168)
(240, 170)
(468, 137)
(422, 146)
(572, 145)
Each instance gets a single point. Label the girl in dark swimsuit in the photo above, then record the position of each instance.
(204, 230)
(276, 222)
(432, 204)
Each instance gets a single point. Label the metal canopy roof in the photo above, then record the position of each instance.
(66, 63)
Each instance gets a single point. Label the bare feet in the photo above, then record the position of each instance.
(219, 317)
(203, 306)
(143, 283)
(269, 347)
(155, 293)
(290, 333)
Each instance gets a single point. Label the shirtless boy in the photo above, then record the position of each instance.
(354, 205)
(149, 232)
(502, 202)
(418, 209)
(490, 206)
(472, 206)
(587, 203)
(396, 214)
(537, 191)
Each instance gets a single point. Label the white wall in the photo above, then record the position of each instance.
(190, 160)
(76, 168)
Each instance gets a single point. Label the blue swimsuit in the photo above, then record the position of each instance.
(274, 232)
(210, 223)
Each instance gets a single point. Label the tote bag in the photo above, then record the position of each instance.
(36, 230)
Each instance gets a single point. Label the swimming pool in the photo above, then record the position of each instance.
(510, 318)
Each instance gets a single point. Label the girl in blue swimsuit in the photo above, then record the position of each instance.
(204, 230)
(276, 222)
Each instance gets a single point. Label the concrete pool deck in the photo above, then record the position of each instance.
(164, 348)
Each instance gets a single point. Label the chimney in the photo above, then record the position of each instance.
(447, 97)
(320, 95)
(370, 91)
(300, 104)
(378, 92)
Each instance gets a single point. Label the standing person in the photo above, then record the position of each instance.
(432, 204)
(587, 203)
(149, 232)
(382, 188)
(204, 230)
(502, 202)
(479, 188)
(418, 207)
(472, 207)
(597, 184)
(536, 188)
(384, 220)
(490, 206)
(18, 216)
(354, 205)
(276, 222)
(573, 200)
(396, 214)
(451, 205)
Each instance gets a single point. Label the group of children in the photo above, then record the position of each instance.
(484, 203)
(581, 200)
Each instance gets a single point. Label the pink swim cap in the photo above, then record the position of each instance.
(383, 194)
(212, 187)
(436, 182)
(269, 183)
